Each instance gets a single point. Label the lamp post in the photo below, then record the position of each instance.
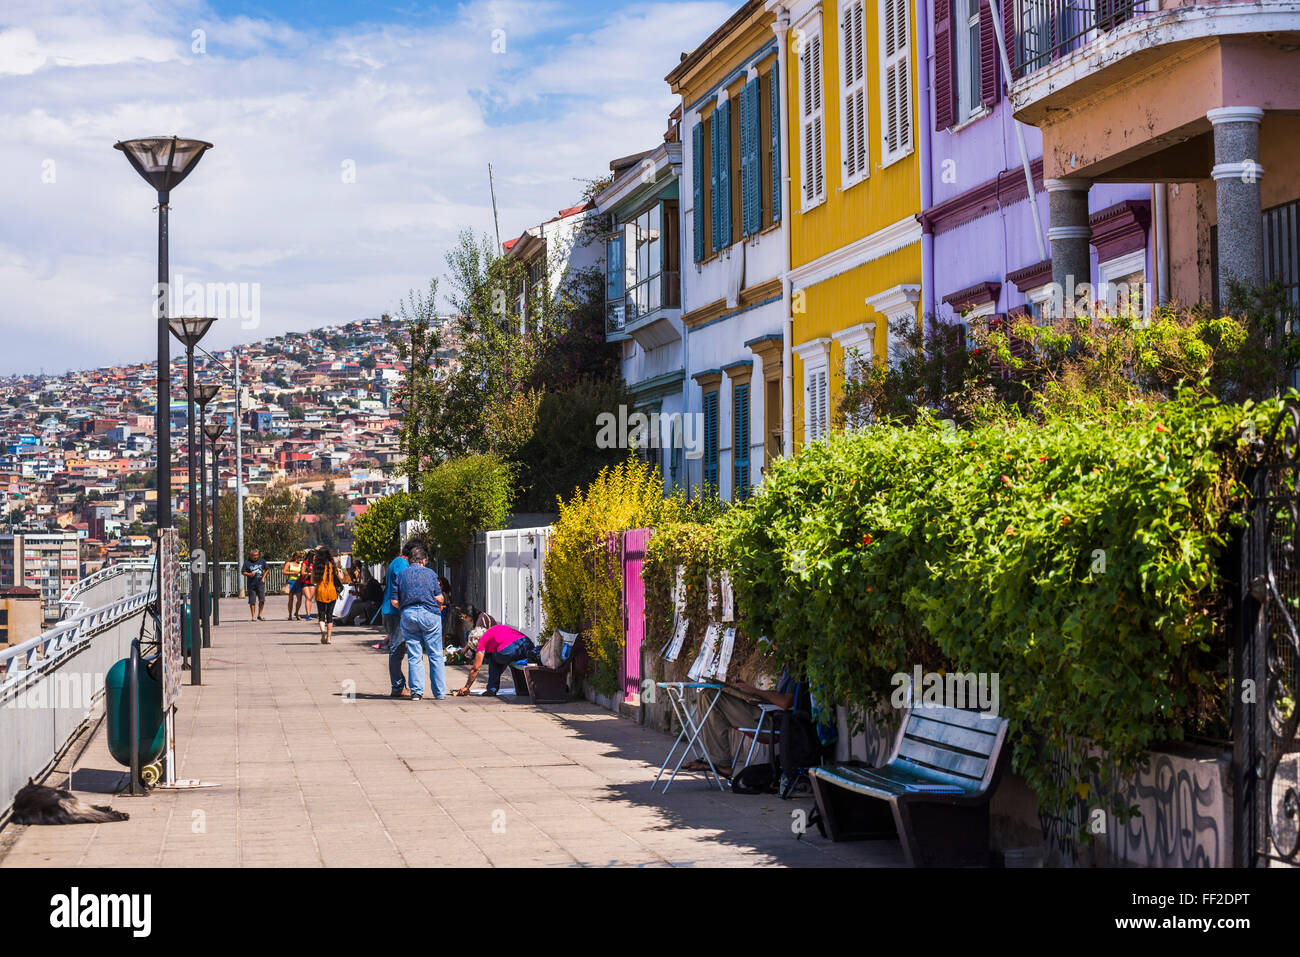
(205, 393)
(163, 161)
(214, 431)
(189, 331)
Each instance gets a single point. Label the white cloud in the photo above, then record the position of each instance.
(420, 111)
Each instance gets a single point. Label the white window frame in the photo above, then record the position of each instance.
(968, 54)
(862, 340)
(853, 88)
(813, 114)
(1041, 296)
(1119, 267)
(902, 56)
(816, 358)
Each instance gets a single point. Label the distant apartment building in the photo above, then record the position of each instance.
(20, 614)
(49, 562)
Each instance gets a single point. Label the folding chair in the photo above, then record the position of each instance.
(764, 732)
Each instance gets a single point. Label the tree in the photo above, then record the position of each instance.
(272, 524)
(376, 532)
(463, 496)
(417, 395)
(330, 507)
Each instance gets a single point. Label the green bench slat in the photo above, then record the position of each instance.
(972, 720)
(888, 781)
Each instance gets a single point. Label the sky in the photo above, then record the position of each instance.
(351, 143)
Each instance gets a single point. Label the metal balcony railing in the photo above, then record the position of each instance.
(1047, 30)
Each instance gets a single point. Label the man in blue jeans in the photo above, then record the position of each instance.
(418, 598)
(395, 647)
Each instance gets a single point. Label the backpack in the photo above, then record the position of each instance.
(325, 591)
(755, 779)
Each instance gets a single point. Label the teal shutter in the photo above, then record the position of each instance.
(713, 175)
(722, 126)
(711, 444)
(740, 442)
(614, 271)
(697, 182)
(752, 161)
(775, 100)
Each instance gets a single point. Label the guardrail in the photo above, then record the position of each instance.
(106, 585)
(1049, 29)
(51, 685)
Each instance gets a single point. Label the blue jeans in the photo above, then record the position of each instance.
(396, 651)
(499, 661)
(421, 631)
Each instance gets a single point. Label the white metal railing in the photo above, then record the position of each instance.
(108, 584)
(50, 685)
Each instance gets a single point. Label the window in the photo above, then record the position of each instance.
(698, 182)
(967, 29)
(859, 348)
(710, 445)
(854, 154)
(1122, 284)
(816, 404)
(811, 121)
(740, 441)
(641, 265)
(896, 80)
(770, 111)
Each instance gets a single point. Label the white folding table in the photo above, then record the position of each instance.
(692, 725)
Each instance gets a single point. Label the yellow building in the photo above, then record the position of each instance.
(855, 239)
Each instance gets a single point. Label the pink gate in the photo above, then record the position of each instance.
(634, 543)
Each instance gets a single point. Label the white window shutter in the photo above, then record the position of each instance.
(853, 90)
(896, 80)
(811, 121)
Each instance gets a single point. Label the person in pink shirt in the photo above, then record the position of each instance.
(501, 645)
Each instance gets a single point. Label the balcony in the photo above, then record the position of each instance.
(1047, 30)
(646, 311)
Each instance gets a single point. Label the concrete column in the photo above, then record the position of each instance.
(1236, 185)
(1068, 233)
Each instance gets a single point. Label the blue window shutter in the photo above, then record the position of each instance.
(713, 175)
(697, 182)
(754, 188)
(740, 442)
(711, 442)
(723, 126)
(746, 172)
(775, 100)
(614, 264)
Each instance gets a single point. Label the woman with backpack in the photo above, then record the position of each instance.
(326, 577)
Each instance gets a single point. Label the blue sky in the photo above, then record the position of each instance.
(415, 98)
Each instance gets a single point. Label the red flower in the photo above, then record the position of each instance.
(866, 539)
(1006, 479)
(1160, 427)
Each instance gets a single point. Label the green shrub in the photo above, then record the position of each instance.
(376, 532)
(463, 496)
(1080, 564)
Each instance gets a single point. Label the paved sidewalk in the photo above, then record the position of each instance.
(309, 778)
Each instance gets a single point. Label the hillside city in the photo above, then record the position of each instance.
(77, 452)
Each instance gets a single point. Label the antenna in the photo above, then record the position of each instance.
(496, 221)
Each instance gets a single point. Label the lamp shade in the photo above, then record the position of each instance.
(214, 430)
(204, 393)
(190, 329)
(163, 161)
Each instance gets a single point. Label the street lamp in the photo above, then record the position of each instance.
(214, 431)
(189, 330)
(163, 161)
(203, 394)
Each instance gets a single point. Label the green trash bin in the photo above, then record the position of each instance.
(117, 697)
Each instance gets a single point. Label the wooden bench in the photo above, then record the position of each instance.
(933, 792)
(547, 685)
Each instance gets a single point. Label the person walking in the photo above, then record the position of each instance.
(254, 569)
(308, 583)
(293, 574)
(325, 575)
(501, 645)
(395, 647)
(418, 598)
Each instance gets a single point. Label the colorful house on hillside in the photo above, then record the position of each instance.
(987, 256)
(1199, 100)
(734, 251)
(643, 292)
(855, 184)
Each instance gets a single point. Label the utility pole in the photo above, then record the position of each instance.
(496, 221)
(239, 480)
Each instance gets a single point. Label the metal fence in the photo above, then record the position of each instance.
(1049, 29)
(52, 684)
